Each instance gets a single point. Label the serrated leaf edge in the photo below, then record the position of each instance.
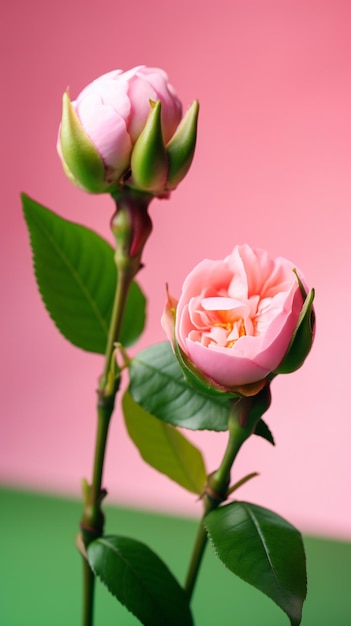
(292, 620)
(137, 576)
(102, 540)
(52, 240)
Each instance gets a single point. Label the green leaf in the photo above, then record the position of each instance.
(164, 448)
(264, 550)
(76, 277)
(158, 385)
(262, 430)
(138, 578)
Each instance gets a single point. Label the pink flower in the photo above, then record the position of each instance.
(236, 317)
(101, 127)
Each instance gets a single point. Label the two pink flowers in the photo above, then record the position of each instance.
(240, 320)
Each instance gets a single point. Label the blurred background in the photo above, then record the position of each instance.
(272, 168)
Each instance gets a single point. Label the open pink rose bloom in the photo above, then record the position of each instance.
(235, 317)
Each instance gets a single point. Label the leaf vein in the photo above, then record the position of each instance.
(264, 544)
(75, 276)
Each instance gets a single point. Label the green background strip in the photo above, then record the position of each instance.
(40, 569)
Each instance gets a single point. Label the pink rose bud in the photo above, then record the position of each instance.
(123, 112)
(240, 319)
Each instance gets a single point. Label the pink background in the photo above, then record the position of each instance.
(272, 168)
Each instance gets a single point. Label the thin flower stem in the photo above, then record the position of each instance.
(106, 399)
(92, 525)
(104, 411)
(124, 281)
(216, 492)
(93, 520)
(88, 596)
(196, 560)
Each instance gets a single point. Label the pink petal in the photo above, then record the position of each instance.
(223, 366)
(171, 113)
(140, 92)
(238, 308)
(102, 123)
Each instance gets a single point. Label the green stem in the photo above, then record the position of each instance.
(93, 518)
(124, 280)
(104, 411)
(196, 560)
(88, 596)
(216, 493)
(237, 435)
(92, 524)
(131, 227)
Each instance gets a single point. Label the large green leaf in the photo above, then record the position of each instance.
(158, 385)
(138, 578)
(264, 550)
(164, 448)
(76, 276)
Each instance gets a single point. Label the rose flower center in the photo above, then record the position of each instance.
(221, 321)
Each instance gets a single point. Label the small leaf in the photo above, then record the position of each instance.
(164, 448)
(264, 550)
(262, 430)
(138, 578)
(158, 385)
(76, 276)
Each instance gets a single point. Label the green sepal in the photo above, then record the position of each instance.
(302, 339)
(140, 580)
(149, 162)
(82, 161)
(181, 147)
(247, 411)
(263, 431)
(163, 447)
(264, 550)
